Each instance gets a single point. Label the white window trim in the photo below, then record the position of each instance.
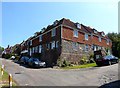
(40, 48)
(57, 44)
(30, 42)
(48, 45)
(53, 45)
(40, 38)
(86, 36)
(30, 52)
(75, 33)
(102, 34)
(75, 46)
(86, 46)
(107, 41)
(53, 32)
(95, 31)
(78, 25)
(99, 39)
(33, 49)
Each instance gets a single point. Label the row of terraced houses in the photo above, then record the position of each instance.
(65, 40)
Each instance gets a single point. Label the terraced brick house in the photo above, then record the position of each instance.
(66, 40)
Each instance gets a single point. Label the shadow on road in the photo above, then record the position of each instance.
(114, 84)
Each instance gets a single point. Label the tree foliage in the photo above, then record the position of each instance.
(115, 43)
(1, 48)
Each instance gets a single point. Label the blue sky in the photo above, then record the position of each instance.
(20, 20)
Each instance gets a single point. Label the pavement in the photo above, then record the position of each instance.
(93, 76)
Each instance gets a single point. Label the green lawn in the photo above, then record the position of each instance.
(80, 66)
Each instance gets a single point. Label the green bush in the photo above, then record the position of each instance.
(91, 55)
(83, 60)
(59, 62)
(91, 58)
(63, 63)
(7, 56)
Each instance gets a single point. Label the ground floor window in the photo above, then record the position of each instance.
(40, 48)
(52, 44)
(57, 44)
(30, 52)
(75, 45)
(86, 47)
(48, 45)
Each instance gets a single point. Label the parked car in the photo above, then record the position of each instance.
(106, 60)
(24, 60)
(34, 62)
(12, 57)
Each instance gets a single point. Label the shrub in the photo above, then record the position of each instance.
(91, 55)
(7, 56)
(59, 62)
(65, 63)
(83, 60)
(91, 58)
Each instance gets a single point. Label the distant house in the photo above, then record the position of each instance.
(67, 40)
(7, 50)
(16, 49)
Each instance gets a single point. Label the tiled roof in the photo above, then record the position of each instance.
(71, 24)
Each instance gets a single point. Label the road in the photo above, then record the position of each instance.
(95, 76)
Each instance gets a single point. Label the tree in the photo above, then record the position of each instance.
(115, 43)
(1, 48)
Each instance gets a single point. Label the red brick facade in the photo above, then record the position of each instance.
(51, 47)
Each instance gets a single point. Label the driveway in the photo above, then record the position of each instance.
(95, 76)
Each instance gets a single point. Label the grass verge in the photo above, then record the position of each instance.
(4, 80)
(80, 66)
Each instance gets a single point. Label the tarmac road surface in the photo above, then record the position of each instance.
(95, 76)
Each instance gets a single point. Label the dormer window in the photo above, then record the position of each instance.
(102, 34)
(42, 30)
(95, 31)
(78, 25)
(56, 22)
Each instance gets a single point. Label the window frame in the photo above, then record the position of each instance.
(86, 36)
(75, 33)
(75, 46)
(40, 38)
(30, 42)
(100, 40)
(86, 47)
(40, 48)
(52, 44)
(53, 32)
(57, 44)
(107, 41)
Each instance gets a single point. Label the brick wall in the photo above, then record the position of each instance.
(67, 34)
(71, 53)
